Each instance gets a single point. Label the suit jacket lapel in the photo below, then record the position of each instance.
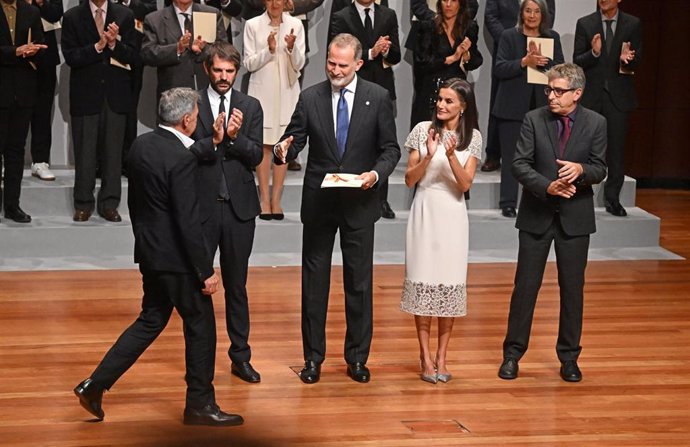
(356, 21)
(5, 27)
(205, 113)
(552, 132)
(359, 115)
(325, 112)
(89, 22)
(172, 25)
(576, 131)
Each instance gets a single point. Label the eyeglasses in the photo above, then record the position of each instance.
(557, 92)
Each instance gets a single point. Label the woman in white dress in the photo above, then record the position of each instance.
(443, 158)
(274, 54)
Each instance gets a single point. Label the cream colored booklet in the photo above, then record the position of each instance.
(204, 24)
(545, 45)
(341, 180)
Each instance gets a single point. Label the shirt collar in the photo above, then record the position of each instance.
(361, 8)
(178, 11)
(94, 8)
(184, 139)
(614, 18)
(215, 96)
(12, 5)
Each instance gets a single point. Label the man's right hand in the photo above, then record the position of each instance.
(218, 129)
(211, 284)
(596, 44)
(561, 188)
(282, 148)
(183, 43)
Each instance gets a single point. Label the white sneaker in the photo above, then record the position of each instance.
(42, 171)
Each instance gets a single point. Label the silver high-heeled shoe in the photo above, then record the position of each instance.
(431, 378)
(445, 378)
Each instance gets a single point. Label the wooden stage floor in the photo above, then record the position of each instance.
(55, 326)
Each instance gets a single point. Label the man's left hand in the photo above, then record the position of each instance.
(569, 170)
(234, 123)
(368, 179)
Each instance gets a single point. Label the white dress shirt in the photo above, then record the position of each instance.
(214, 101)
(184, 139)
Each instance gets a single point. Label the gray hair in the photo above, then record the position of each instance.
(176, 103)
(545, 15)
(344, 40)
(570, 72)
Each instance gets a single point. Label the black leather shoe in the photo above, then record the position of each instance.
(614, 208)
(386, 210)
(110, 214)
(490, 165)
(509, 369)
(570, 372)
(90, 397)
(509, 211)
(358, 372)
(311, 373)
(17, 215)
(245, 371)
(294, 166)
(211, 414)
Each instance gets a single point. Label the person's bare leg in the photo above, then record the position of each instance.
(263, 172)
(423, 329)
(445, 328)
(279, 173)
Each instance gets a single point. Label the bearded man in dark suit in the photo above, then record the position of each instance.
(348, 123)
(559, 156)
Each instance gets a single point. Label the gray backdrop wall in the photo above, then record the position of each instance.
(568, 11)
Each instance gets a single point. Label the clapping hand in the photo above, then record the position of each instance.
(596, 44)
(432, 140)
(290, 39)
(272, 42)
(29, 49)
(464, 49)
(534, 58)
(627, 55)
(219, 129)
(282, 148)
(451, 144)
(234, 123)
(183, 43)
(111, 33)
(198, 45)
(381, 46)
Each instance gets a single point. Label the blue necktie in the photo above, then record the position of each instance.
(343, 122)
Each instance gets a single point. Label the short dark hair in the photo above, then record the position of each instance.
(224, 51)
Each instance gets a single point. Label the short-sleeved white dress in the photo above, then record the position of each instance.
(436, 247)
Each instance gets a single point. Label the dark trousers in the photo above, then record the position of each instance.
(42, 117)
(357, 246)
(14, 126)
(493, 143)
(98, 143)
(235, 239)
(131, 123)
(617, 131)
(509, 132)
(164, 291)
(571, 261)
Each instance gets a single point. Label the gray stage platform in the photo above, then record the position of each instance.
(54, 242)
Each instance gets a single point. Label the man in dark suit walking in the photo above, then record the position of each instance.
(376, 27)
(42, 116)
(229, 200)
(21, 42)
(98, 44)
(177, 271)
(349, 125)
(499, 15)
(608, 46)
(170, 45)
(559, 156)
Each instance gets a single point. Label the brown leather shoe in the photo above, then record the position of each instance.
(111, 215)
(490, 165)
(294, 166)
(81, 215)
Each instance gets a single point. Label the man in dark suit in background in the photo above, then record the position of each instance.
(608, 46)
(559, 156)
(170, 46)
(98, 43)
(376, 27)
(42, 117)
(176, 268)
(348, 123)
(231, 8)
(140, 9)
(21, 42)
(500, 15)
(229, 200)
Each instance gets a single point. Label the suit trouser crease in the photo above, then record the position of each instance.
(509, 132)
(235, 238)
(571, 260)
(493, 145)
(163, 292)
(617, 131)
(14, 127)
(42, 118)
(98, 143)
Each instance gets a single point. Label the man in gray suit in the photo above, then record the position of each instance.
(559, 156)
(171, 46)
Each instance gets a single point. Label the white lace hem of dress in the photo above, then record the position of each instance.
(434, 300)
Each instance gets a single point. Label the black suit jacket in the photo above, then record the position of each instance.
(606, 66)
(535, 167)
(514, 94)
(371, 145)
(93, 78)
(17, 76)
(163, 206)
(237, 157)
(339, 5)
(348, 20)
(233, 9)
(419, 9)
(500, 15)
(51, 11)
